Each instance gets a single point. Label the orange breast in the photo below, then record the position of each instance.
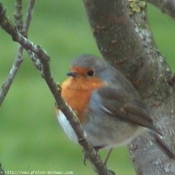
(77, 92)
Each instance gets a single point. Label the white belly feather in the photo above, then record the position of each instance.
(66, 126)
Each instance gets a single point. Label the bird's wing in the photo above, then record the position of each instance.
(117, 102)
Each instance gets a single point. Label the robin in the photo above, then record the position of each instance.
(107, 105)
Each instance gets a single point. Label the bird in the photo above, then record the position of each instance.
(107, 105)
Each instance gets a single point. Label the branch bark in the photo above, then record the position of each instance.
(124, 38)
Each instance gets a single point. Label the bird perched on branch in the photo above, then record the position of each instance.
(107, 105)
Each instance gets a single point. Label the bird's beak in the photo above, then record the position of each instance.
(72, 74)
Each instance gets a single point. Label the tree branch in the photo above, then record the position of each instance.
(124, 39)
(166, 6)
(44, 59)
(111, 28)
(18, 60)
(29, 16)
(14, 69)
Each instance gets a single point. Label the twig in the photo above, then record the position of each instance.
(33, 57)
(44, 58)
(18, 59)
(1, 170)
(29, 15)
(15, 67)
(18, 15)
(166, 6)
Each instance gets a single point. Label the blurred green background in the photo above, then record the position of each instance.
(30, 137)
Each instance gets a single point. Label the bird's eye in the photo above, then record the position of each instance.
(90, 73)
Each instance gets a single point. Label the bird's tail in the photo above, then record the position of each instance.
(162, 146)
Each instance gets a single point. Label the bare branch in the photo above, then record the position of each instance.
(44, 58)
(166, 6)
(33, 57)
(29, 15)
(15, 67)
(18, 15)
(18, 60)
